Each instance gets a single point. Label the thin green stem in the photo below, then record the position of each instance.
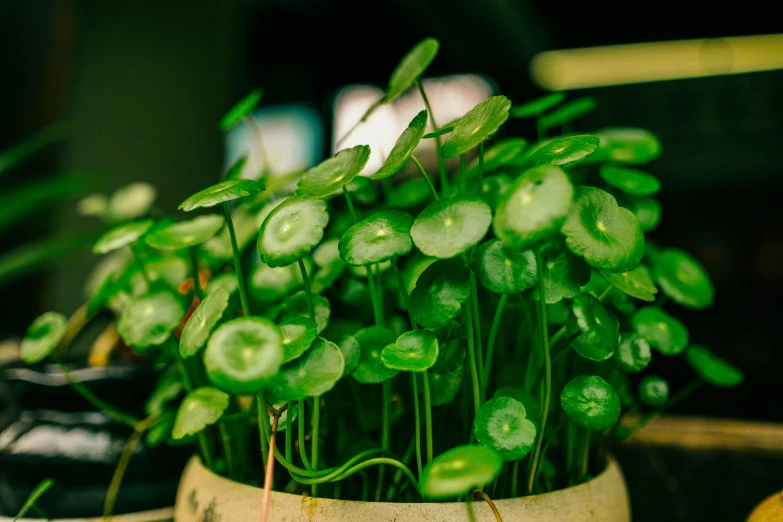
(349, 202)
(269, 475)
(241, 283)
(375, 297)
(444, 180)
(386, 393)
(480, 168)
(308, 290)
(493, 333)
(289, 426)
(417, 423)
(477, 333)
(366, 464)
(585, 456)
(263, 426)
(428, 414)
(196, 279)
(403, 290)
(674, 400)
(302, 447)
(515, 479)
(225, 439)
(315, 436)
(462, 180)
(534, 462)
(474, 377)
(187, 381)
(605, 293)
(426, 178)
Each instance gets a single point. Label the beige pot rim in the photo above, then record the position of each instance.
(204, 495)
(155, 515)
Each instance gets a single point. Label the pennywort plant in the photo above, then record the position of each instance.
(403, 337)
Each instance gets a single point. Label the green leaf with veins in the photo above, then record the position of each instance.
(590, 401)
(564, 273)
(270, 283)
(298, 335)
(501, 424)
(713, 369)
(664, 333)
(562, 151)
(597, 327)
(42, 337)
(185, 234)
(444, 386)
(627, 145)
(149, 319)
(222, 192)
(499, 155)
(494, 189)
(411, 67)
(632, 181)
(636, 283)
(313, 374)
(606, 235)
(377, 238)
(404, 148)
(440, 291)
(452, 347)
(534, 208)
(292, 229)
(449, 227)
(200, 408)
(409, 194)
(459, 470)
(332, 174)
(683, 279)
(202, 321)
(537, 106)
(654, 390)
(296, 305)
(477, 125)
(504, 270)
(372, 340)
(121, 235)
(414, 351)
(633, 353)
(529, 401)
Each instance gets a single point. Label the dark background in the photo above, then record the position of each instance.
(142, 84)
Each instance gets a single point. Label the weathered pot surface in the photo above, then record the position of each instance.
(157, 515)
(206, 497)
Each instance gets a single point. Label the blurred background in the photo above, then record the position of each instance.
(140, 87)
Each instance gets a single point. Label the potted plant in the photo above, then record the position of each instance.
(443, 352)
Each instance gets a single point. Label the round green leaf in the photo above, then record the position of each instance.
(241, 109)
(298, 334)
(683, 279)
(130, 202)
(459, 470)
(567, 113)
(411, 67)
(377, 238)
(121, 235)
(500, 154)
(372, 341)
(362, 190)
(444, 386)
(313, 374)
(327, 253)
(227, 281)
(414, 351)
(501, 424)
(440, 291)
(636, 283)
(477, 125)
(202, 321)
(168, 388)
(562, 151)
(326, 277)
(409, 194)
(713, 369)
(632, 181)
(494, 189)
(564, 273)
(633, 352)
(243, 355)
(42, 337)
(646, 210)
(529, 401)
(222, 192)
(330, 175)
(534, 208)
(149, 320)
(200, 408)
(628, 145)
(352, 353)
(403, 149)
(537, 106)
(599, 328)
(268, 284)
(291, 230)
(504, 270)
(590, 401)
(654, 390)
(448, 227)
(185, 234)
(664, 333)
(452, 347)
(606, 235)
(296, 305)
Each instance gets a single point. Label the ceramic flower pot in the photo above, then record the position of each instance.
(157, 515)
(205, 496)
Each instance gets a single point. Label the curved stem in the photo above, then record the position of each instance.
(426, 178)
(366, 464)
(302, 447)
(349, 202)
(386, 392)
(428, 414)
(289, 439)
(417, 423)
(444, 180)
(237, 261)
(534, 462)
(474, 378)
(270, 469)
(480, 495)
(308, 290)
(675, 399)
(263, 426)
(315, 436)
(493, 333)
(355, 126)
